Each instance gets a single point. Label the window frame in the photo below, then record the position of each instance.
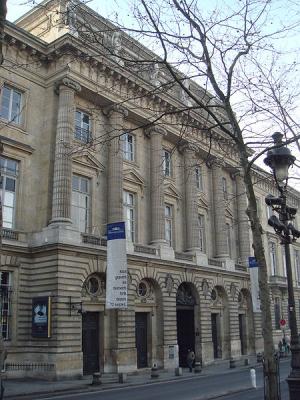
(131, 221)
(80, 137)
(229, 238)
(6, 289)
(297, 264)
(167, 163)
(201, 232)
(88, 203)
(169, 223)
(13, 89)
(224, 188)
(127, 147)
(5, 175)
(199, 178)
(273, 258)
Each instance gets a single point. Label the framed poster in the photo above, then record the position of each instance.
(41, 317)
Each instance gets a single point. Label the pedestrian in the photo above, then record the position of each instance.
(190, 358)
(288, 344)
(280, 348)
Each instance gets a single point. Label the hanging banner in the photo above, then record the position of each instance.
(116, 274)
(253, 269)
(41, 317)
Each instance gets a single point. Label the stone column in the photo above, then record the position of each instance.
(157, 189)
(221, 248)
(191, 211)
(243, 224)
(116, 116)
(62, 179)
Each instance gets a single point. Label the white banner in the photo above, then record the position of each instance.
(253, 269)
(116, 273)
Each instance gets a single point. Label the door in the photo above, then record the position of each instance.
(141, 339)
(243, 339)
(215, 333)
(185, 334)
(90, 342)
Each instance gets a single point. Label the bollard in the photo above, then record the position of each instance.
(96, 378)
(154, 371)
(197, 368)
(259, 357)
(122, 377)
(253, 377)
(232, 363)
(246, 361)
(178, 371)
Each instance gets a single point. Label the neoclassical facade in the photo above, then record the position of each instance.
(80, 150)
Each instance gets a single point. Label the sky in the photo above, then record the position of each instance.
(121, 10)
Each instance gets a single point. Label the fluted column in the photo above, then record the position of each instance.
(157, 189)
(243, 224)
(221, 248)
(116, 116)
(62, 179)
(191, 211)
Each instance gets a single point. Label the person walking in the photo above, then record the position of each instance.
(190, 359)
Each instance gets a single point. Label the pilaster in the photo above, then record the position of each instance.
(243, 224)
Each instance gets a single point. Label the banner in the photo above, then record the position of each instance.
(253, 269)
(41, 317)
(116, 274)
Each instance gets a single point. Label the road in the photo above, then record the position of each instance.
(194, 388)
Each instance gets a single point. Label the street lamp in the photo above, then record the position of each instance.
(279, 159)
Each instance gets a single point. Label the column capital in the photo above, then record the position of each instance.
(115, 108)
(69, 83)
(155, 130)
(186, 146)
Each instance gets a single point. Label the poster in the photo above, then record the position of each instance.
(253, 269)
(41, 317)
(116, 274)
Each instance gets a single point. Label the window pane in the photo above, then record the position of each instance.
(9, 199)
(7, 214)
(84, 185)
(10, 185)
(5, 102)
(75, 183)
(11, 166)
(16, 107)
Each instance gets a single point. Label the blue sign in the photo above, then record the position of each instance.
(253, 263)
(116, 231)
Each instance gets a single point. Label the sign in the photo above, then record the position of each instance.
(253, 269)
(116, 274)
(282, 322)
(41, 317)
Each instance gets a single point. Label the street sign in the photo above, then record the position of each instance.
(282, 322)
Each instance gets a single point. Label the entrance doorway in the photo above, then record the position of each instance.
(141, 339)
(185, 334)
(243, 338)
(90, 342)
(215, 332)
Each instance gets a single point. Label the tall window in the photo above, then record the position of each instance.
(129, 214)
(5, 304)
(81, 202)
(224, 188)
(277, 311)
(297, 264)
(201, 230)
(270, 212)
(169, 224)
(273, 259)
(82, 127)
(283, 261)
(167, 165)
(229, 238)
(199, 178)
(8, 180)
(128, 143)
(11, 104)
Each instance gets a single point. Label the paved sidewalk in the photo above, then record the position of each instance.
(30, 388)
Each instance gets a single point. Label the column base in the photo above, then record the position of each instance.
(235, 348)
(171, 357)
(56, 233)
(201, 258)
(228, 264)
(125, 360)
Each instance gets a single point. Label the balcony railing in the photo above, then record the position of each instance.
(139, 248)
(240, 267)
(184, 256)
(93, 239)
(84, 135)
(10, 234)
(278, 280)
(215, 263)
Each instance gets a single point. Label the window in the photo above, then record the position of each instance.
(297, 264)
(224, 188)
(228, 236)
(277, 312)
(129, 214)
(81, 202)
(9, 173)
(82, 127)
(128, 142)
(270, 212)
(199, 178)
(169, 224)
(5, 303)
(167, 165)
(201, 230)
(273, 259)
(11, 104)
(283, 261)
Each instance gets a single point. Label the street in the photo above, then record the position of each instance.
(234, 385)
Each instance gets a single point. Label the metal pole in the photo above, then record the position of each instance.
(293, 379)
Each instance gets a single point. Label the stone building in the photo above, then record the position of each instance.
(80, 149)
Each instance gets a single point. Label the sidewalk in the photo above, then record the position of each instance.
(29, 388)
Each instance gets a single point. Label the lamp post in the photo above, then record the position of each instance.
(279, 159)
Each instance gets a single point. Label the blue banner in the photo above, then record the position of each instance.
(253, 262)
(116, 231)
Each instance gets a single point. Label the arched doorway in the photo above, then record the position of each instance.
(246, 323)
(185, 313)
(220, 323)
